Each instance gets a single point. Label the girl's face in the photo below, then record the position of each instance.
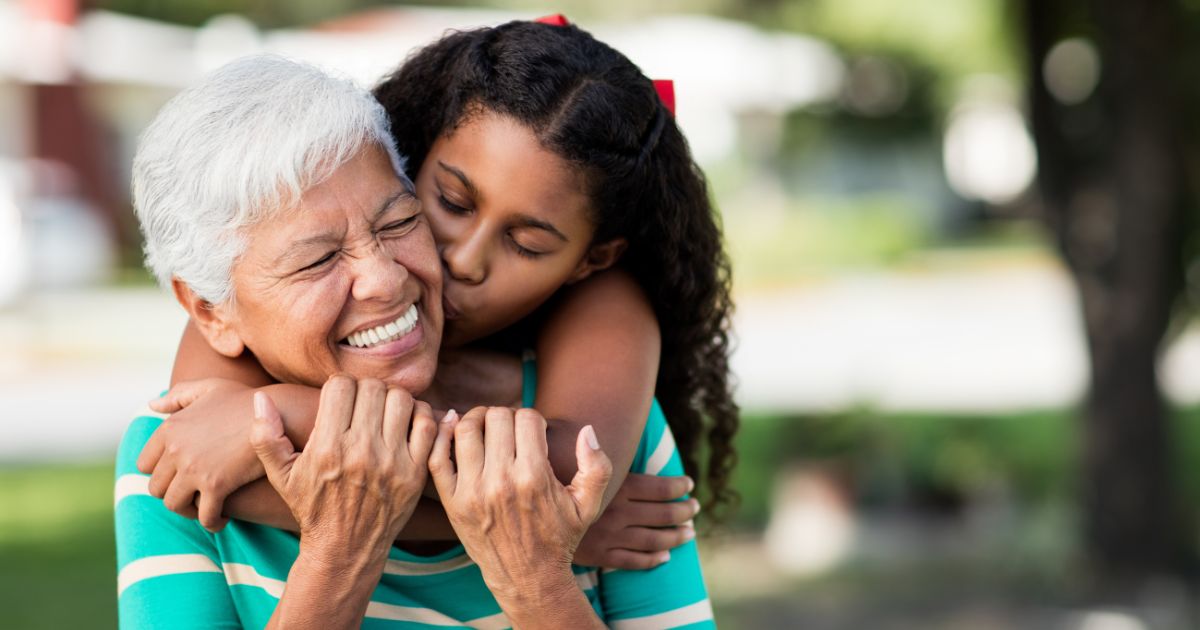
(511, 222)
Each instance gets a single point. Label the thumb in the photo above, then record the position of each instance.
(273, 448)
(589, 483)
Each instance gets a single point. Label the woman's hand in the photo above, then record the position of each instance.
(517, 521)
(351, 491)
(202, 452)
(644, 521)
(361, 474)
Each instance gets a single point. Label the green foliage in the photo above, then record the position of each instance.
(57, 549)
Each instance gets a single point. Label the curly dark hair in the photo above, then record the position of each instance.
(589, 104)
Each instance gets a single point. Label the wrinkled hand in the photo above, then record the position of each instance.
(516, 520)
(201, 453)
(643, 522)
(360, 475)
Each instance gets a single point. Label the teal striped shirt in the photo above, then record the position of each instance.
(172, 573)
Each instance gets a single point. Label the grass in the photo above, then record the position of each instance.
(57, 551)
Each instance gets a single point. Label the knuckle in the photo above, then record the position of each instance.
(371, 386)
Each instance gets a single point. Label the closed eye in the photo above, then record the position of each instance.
(324, 259)
(399, 225)
(450, 206)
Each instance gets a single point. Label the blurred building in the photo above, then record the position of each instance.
(77, 87)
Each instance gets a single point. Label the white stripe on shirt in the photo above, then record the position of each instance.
(131, 485)
(158, 566)
(695, 613)
(662, 453)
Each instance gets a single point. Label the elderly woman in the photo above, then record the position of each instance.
(235, 183)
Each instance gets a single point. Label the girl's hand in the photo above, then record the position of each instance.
(516, 520)
(644, 521)
(202, 452)
(360, 475)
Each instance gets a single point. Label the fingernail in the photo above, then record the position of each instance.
(695, 506)
(589, 434)
(689, 532)
(451, 416)
(663, 556)
(260, 405)
(691, 485)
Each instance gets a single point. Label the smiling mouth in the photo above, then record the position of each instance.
(384, 333)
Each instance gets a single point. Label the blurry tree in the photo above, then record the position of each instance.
(1112, 177)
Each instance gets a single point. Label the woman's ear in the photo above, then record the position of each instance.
(214, 322)
(599, 257)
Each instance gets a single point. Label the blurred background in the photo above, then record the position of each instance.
(965, 251)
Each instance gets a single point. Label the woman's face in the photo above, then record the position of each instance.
(510, 220)
(335, 285)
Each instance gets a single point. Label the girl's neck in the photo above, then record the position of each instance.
(470, 377)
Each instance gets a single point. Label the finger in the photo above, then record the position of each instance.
(180, 396)
(151, 452)
(397, 409)
(531, 436)
(208, 511)
(498, 438)
(654, 488)
(367, 419)
(633, 560)
(424, 430)
(180, 499)
(163, 475)
(270, 444)
(335, 409)
(468, 444)
(595, 469)
(660, 513)
(652, 539)
(445, 477)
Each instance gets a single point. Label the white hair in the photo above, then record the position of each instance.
(239, 147)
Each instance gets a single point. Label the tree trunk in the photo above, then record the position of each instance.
(1114, 194)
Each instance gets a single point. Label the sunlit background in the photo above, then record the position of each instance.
(901, 185)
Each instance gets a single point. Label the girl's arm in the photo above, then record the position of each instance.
(597, 363)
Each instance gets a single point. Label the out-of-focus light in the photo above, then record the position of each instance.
(225, 38)
(12, 268)
(1109, 620)
(876, 86)
(987, 151)
(1072, 70)
(811, 528)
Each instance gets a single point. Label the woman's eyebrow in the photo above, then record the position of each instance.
(462, 177)
(389, 202)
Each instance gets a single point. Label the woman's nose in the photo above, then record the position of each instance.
(378, 276)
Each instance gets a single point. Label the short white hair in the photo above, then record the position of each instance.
(239, 147)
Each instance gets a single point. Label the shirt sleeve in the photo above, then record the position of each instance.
(169, 574)
(671, 595)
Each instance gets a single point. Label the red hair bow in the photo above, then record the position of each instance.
(664, 87)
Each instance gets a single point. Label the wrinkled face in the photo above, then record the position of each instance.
(510, 219)
(347, 282)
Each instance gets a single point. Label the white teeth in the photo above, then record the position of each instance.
(385, 332)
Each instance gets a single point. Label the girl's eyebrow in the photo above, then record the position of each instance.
(462, 177)
(523, 220)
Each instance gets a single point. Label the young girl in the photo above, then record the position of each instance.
(570, 219)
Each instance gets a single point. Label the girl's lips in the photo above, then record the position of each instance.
(448, 310)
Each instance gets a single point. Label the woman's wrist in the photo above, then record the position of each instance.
(551, 601)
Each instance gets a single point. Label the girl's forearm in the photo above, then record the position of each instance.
(259, 503)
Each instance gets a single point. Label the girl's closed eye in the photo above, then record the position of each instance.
(525, 252)
(450, 206)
